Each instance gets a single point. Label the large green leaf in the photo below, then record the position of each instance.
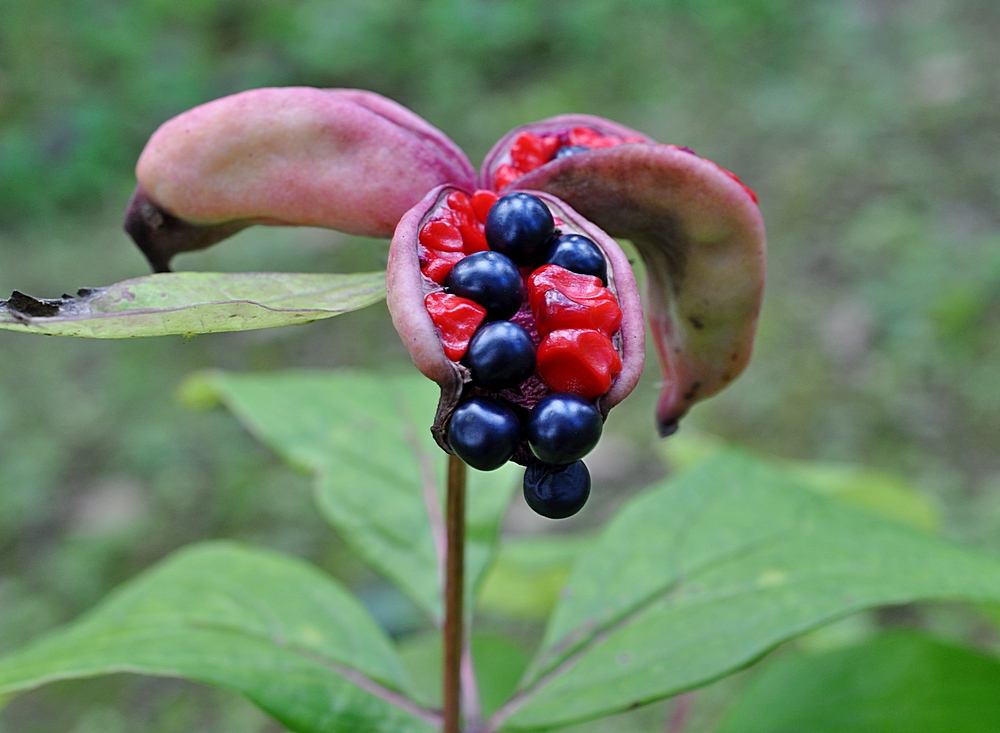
(499, 660)
(270, 627)
(901, 682)
(188, 303)
(707, 572)
(379, 474)
(528, 574)
(866, 488)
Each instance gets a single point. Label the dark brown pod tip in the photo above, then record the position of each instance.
(160, 235)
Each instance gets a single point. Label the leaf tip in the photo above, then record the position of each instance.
(199, 392)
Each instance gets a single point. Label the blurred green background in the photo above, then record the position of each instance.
(870, 131)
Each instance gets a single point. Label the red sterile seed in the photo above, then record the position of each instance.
(529, 151)
(456, 319)
(482, 202)
(459, 216)
(441, 235)
(459, 201)
(555, 311)
(579, 361)
(555, 140)
(473, 238)
(463, 216)
(590, 138)
(572, 284)
(552, 312)
(505, 175)
(436, 264)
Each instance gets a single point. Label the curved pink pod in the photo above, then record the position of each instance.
(621, 281)
(500, 152)
(357, 162)
(701, 236)
(344, 159)
(407, 287)
(418, 126)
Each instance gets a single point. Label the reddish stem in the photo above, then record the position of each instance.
(680, 712)
(454, 595)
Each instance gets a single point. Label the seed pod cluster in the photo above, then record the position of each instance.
(354, 161)
(523, 304)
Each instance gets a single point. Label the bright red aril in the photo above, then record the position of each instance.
(482, 202)
(441, 235)
(456, 319)
(529, 151)
(436, 264)
(554, 311)
(563, 299)
(579, 361)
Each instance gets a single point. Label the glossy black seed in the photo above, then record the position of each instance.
(556, 492)
(567, 150)
(501, 354)
(579, 254)
(490, 279)
(520, 226)
(484, 432)
(563, 428)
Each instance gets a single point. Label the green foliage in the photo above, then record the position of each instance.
(882, 493)
(528, 574)
(900, 682)
(704, 573)
(378, 473)
(267, 626)
(692, 580)
(869, 134)
(189, 303)
(500, 662)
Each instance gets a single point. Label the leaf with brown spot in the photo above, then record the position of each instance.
(190, 303)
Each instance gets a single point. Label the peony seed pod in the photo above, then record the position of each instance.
(356, 162)
(408, 284)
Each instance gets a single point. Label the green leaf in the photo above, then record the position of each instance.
(189, 303)
(500, 661)
(379, 474)
(270, 627)
(991, 612)
(528, 573)
(709, 571)
(866, 488)
(875, 491)
(901, 682)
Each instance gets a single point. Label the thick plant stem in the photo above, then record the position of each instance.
(453, 595)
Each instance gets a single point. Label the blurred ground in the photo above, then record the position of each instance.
(870, 131)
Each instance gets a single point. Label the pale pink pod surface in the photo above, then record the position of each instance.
(407, 288)
(343, 159)
(701, 235)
